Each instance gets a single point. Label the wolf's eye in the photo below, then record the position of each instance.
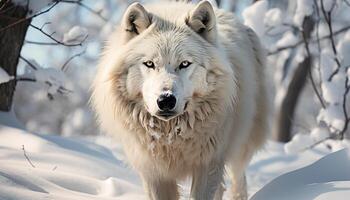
(184, 64)
(149, 64)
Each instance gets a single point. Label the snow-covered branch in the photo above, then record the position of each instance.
(75, 37)
(313, 40)
(328, 46)
(52, 77)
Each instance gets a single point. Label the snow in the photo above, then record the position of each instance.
(55, 78)
(328, 178)
(334, 90)
(304, 9)
(273, 17)
(287, 39)
(76, 122)
(343, 48)
(333, 116)
(75, 35)
(319, 134)
(254, 16)
(75, 168)
(4, 77)
(328, 65)
(302, 142)
(49, 75)
(298, 143)
(65, 169)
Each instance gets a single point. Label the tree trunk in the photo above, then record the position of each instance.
(284, 113)
(11, 41)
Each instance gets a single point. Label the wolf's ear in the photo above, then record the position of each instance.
(135, 20)
(202, 21)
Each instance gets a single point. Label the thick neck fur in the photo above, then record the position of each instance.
(199, 113)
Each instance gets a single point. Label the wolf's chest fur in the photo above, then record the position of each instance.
(178, 143)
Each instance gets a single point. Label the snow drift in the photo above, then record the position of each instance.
(328, 178)
(63, 169)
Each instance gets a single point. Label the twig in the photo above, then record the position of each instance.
(61, 90)
(64, 66)
(25, 155)
(328, 18)
(310, 71)
(28, 62)
(346, 116)
(28, 18)
(318, 46)
(332, 136)
(41, 43)
(57, 41)
(79, 2)
(301, 41)
(46, 23)
(316, 143)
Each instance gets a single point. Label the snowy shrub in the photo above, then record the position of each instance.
(315, 31)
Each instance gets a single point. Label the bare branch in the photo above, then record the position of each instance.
(328, 18)
(330, 137)
(318, 45)
(79, 2)
(342, 30)
(41, 43)
(57, 41)
(64, 66)
(28, 18)
(25, 155)
(306, 42)
(344, 106)
(61, 90)
(46, 23)
(29, 63)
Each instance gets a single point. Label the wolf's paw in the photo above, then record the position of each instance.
(240, 196)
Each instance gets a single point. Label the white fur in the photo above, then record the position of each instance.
(225, 120)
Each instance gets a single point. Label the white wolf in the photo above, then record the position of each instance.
(182, 87)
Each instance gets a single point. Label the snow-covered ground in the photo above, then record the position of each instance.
(39, 167)
(326, 179)
(63, 169)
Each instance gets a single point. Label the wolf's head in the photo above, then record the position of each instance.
(169, 60)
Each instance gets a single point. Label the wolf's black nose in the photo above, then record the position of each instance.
(166, 102)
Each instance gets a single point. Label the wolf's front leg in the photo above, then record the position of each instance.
(206, 180)
(239, 187)
(161, 189)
